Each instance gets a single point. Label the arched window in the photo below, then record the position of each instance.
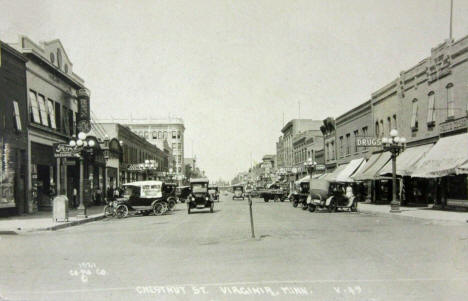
(59, 58)
(431, 108)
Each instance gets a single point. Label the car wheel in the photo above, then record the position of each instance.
(121, 211)
(171, 204)
(311, 208)
(276, 199)
(108, 211)
(354, 207)
(158, 209)
(266, 200)
(304, 206)
(295, 204)
(332, 207)
(212, 208)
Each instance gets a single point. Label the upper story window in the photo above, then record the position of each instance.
(450, 101)
(431, 109)
(414, 115)
(43, 110)
(377, 129)
(51, 108)
(174, 134)
(16, 113)
(155, 135)
(395, 124)
(165, 135)
(348, 141)
(364, 133)
(160, 135)
(34, 107)
(52, 57)
(389, 123)
(356, 134)
(332, 150)
(341, 147)
(382, 129)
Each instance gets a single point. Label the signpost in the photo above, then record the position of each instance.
(249, 189)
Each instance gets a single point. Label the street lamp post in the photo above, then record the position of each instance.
(395, 145)
(80, 145)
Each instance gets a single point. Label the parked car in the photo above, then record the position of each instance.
(330, 196)
(141, 197)
(199, 198)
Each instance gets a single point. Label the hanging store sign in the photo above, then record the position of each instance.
(320, 167)
(7, 177)
(364, 141)
(63, 150)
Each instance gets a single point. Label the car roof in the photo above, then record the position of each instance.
(141, 183)
(199, 180)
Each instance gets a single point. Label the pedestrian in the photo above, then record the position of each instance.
(75, 199)
(116, 193)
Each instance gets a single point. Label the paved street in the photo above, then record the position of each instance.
(297, 255)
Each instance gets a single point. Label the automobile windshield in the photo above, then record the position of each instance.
(199, 187)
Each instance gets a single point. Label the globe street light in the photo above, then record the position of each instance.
(310, 165)
(395, 145)
(79, 146)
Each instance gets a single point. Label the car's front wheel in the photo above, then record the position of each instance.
(108, 211)
(158, 209)
(121, 211)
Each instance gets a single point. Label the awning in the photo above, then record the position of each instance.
(350, 168)
(372, 167)
(331, 177)
(463, 169)
(407, 160)
(316, 176)
(444, 158)
(303, 180)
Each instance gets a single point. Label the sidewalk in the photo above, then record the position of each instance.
(41, 221)
(418, 212)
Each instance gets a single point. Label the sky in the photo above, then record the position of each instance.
(235, 70)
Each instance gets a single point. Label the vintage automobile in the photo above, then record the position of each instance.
(141, 197)
(199, 198)
(169, 194)
(273, 192)
(183, 192)
(214, 191)
(329, 195)
(302, 192)
(238, 191)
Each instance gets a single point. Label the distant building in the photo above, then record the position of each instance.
(157, 131)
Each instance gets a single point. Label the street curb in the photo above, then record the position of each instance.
(408, 217)
(54, 227)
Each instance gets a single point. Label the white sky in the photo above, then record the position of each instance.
(231, 68)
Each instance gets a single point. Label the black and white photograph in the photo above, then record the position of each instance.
(221, 150)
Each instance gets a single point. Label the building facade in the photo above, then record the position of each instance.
(280, 153)
(13, 131)
(355, 123)
(305, 145)
(159, 131)
(329, 143)
(55, 94)
(135, 151)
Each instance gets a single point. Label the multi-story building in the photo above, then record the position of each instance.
(305, 144)
(135, 151)
(13, 131)
(355, 123)
(329, 143)
(159, 131)
(279, 153)
(291, 129)
(58, 100)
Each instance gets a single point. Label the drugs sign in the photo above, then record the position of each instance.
(368, 141)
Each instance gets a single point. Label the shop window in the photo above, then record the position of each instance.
(43, 110)
(16, 113)
(414, 116)
(51, 107)
(457, 187)
(450, 102)
(431, 109)
(34, 107)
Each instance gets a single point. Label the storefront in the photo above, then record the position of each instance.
(44, 175)
(445, 164)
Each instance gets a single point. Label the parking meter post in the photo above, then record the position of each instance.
(251, 217)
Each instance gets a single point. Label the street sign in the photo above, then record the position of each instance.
(320, 167)
(363, 141)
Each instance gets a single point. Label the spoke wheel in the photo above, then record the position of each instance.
(171, 204)
(108, 211)
(312, 208)
(158, 209)
(121, 211)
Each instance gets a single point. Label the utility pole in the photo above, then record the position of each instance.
(451, 19)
